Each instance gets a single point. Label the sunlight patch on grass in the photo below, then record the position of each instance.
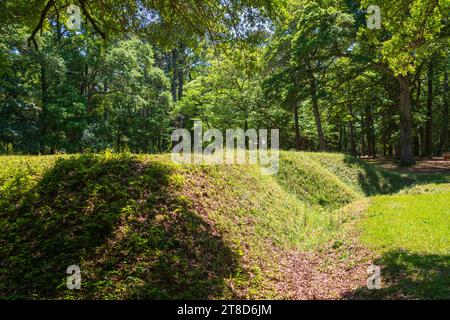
(418, 223)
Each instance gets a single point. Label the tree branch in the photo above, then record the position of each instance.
(32, 37)
(91, 20)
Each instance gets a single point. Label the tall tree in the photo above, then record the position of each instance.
(405, 40)
(303, 50)
(429, 124)
(445, 115)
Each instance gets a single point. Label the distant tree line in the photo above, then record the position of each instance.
(136, 70)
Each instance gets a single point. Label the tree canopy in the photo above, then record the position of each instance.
(133, 71)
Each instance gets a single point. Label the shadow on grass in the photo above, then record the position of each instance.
(408, 275)
(122, 221)
(376, 180)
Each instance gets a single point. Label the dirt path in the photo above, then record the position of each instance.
(330, 275)
(335, 271)
(435, 165)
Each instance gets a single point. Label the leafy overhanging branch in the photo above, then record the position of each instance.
(44, 14)
(91, 20)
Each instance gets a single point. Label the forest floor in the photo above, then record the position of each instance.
(434, 165)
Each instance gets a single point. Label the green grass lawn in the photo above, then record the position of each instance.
(411, 233)
(417, 223)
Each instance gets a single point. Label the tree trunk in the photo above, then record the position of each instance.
(315, 102)
(43, 116)
(58, 28)
(341, 138)
(416, 108)
(429, 124)
(397, 149)
(370, 132)
(406, 150)
(345, 129)
(173, 85)
(352, 133)
(387, 133)
(181, 65)
(363, 139)
(352, 139)
(422, 143)
(373, 137)
(445, 145)
(180, 82)
(297, 128)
